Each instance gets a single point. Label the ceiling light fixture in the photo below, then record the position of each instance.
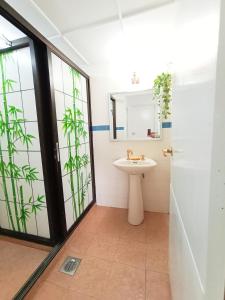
(135, 79)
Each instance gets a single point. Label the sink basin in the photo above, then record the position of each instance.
(134, 167)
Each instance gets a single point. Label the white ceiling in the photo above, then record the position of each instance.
(103, 31)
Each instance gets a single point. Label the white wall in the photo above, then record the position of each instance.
(216, 236)
(193, 112)
(112, 184)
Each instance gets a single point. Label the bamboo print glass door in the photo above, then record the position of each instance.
(70, 92)
(22, 192)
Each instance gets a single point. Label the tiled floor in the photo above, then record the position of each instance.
(17, 262)
(119, 261)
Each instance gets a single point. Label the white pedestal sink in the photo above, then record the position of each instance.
(135, 169)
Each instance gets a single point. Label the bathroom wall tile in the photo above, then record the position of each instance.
(31, 223)
(42, 223)
(83, 176)
(25, 68)
(68, 102)
(67, 79)
(38, 188)
(78, 86)
(75, 180)
(86, 139)
(86, 199)
(60, 105)
(27, 190)
(115, 192)
(14, 99)
(83, 89)
(9, 187)
(36, 162)
(11, 70)
(82, 149)
(63, 159)
(4, 143)
(85, 112)
(87, 149)
(90, 192)
(32, 128)
(69, 213)
(4, 223)
(29, 105)
(57, 72)
(79, 105)
(2, 195)
(66, 187)
(63, 143)
(21, 159)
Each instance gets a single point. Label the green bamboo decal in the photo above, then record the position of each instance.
(73, 126)
(12, 128)
(8, 83)
(24, 212)
(3, 171)
(84, 188)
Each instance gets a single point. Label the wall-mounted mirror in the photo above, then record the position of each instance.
(134, 116)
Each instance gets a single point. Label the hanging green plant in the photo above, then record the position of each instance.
(162, 94)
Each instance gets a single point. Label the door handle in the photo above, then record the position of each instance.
(167, 151)
(57, 152)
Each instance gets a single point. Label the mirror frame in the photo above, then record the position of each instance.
(113, 133)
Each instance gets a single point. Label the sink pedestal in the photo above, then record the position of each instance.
(135, 205)
(135, 169)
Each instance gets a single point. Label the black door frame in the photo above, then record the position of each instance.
(56, 131)
(40, 51)
(40, 48)
(19, 44)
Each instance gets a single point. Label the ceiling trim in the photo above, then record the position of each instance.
(119, 15)
(59, 33)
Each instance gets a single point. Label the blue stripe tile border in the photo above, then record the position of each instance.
(166, 124)
(119, 128)
(100, 128)
(107, 127)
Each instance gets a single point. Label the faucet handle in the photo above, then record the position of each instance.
(142, 157)
(129, 152)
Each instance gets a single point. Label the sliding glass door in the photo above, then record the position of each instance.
(71, 103)
(22, 191)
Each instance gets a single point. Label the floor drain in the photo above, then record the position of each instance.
(70, 265)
